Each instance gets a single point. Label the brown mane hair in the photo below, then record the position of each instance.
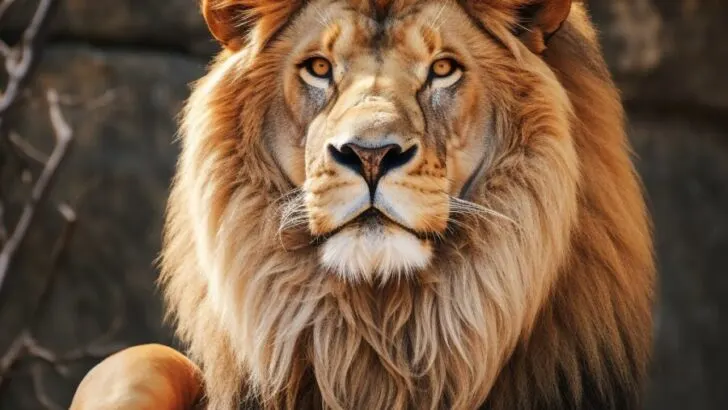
(267, 326)
(591, 345)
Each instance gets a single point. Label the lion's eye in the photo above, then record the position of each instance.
(445, 72)
(317, 71)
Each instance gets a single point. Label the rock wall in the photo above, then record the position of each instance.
(123, 68)
(671, 70)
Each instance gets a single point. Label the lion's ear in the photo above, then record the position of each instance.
(538, 20)
(234, 23)
(533, 21)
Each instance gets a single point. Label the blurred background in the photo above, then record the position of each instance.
(112, 75)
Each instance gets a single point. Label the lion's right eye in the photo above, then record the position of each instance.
(317, 72)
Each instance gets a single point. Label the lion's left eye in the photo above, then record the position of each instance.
(317, 72)
(445, 72)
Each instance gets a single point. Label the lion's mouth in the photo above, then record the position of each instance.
(372, 221)
(373, 244)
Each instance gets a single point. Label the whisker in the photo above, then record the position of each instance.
(286, 197)
(292, 211)
(323, 18)
(462, 206)
(435, 22)
(457, 224)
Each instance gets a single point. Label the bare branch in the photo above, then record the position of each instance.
(26, 149)
(25, 346)
(36, 373)
(4, 6)
(19, 60)
(5, 50)
(15, 352)
(68, 213)
(63, 137)
(3, 228)
(60, 362)
(60, 126)
(103, 100)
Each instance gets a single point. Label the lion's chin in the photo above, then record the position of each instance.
(367, 253)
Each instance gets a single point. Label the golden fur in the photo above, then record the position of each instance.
(148, 377)
(538, 293)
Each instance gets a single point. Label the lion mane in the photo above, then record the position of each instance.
(547, 309)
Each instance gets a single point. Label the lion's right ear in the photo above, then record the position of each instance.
(235, 23)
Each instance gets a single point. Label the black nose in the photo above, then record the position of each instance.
(372, 163)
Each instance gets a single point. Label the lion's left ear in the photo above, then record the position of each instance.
(533, 21)
(538, 20)
(235, 23)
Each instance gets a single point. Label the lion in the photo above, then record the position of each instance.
(400, 204)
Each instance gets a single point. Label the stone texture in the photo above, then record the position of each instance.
(122, 107)
(667, 51)
(171, 24)
(683, 160)
(670, 66)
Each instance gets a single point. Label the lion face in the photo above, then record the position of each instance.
(392, 120)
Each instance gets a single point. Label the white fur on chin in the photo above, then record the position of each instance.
(365, 254)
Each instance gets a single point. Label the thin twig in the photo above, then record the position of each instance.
(3, 228)
(63, 135)
(36, 374)
(4, 6)
(19, 60)
(25, 346)
(26, 149)
(68, 213)
(15, 352)
(103, 100)
(5, 49)
(60, 362)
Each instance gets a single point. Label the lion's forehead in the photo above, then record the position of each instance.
(350, 28)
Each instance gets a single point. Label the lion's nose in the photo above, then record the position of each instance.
(372, 163)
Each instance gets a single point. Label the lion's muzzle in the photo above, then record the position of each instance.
(370, 154)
